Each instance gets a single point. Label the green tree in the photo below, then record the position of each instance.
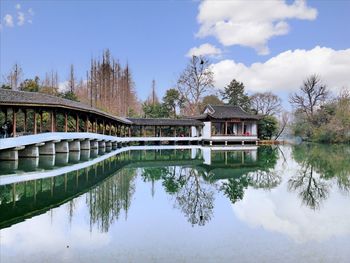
(267, 127)
(235, 94)
(156, 110)
(69, 95)
(211, 99)
(31, 85)
(172, 99)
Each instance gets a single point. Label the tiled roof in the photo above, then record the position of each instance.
(226, 112)
(36, 99)
(165, 122)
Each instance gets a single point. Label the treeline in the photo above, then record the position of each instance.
(107, 86)
(319, 116)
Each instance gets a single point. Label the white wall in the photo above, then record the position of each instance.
(207, 129)
(254, 129)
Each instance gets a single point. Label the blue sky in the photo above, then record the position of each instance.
(155, 36)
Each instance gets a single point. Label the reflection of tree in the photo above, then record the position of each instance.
(107, 200)
(234, 188)
(264, 179)
(195, 198)
(312, 189)
(329, 161)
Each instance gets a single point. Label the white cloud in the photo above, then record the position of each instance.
(31, 12)
(18, 6)
(286, 71)
(249, 23)
(20, 19)
(8, 20)
(205, 50)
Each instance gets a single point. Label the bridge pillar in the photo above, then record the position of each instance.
(47, 161)
(47, 149)
(93, 153)
(93, 144)
(74, 156)
(102, 145)
(61, 159)
(74, 146)
(30, 151)
(84, 155)
(114, 145)
(242, 142)
(62, 147)
(85, 145)
(108, 146)
(9, 155)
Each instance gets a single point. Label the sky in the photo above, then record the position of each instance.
(268, 45)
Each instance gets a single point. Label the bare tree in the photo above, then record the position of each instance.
(72, 80)
(194, 82)
(266, 103)
(283, 123)
(312, 94)
(14, 77)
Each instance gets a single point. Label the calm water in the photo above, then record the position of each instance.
(266, 204)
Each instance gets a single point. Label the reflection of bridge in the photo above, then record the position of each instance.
(55, 125)
(25, 195)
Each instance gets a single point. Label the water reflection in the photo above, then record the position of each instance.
(320, 167)
(192, 177)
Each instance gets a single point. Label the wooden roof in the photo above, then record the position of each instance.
(37, 100)
(165, 122)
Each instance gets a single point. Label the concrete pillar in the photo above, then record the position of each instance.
(242, 142)
(74, 146)
(108, 144)
(62, 147)
(28, 164)
(9, 155)
(85, 145)
(102, 145)
(84, 155)
(47, 161)
(211, 143)
(30, 151)
(47, 149)
(114, 145)
(74, 157)
(93, 144)
(9, 166)
(225, 143)
(93, 153)
(61, 159)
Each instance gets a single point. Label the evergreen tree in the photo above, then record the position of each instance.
(235, 95)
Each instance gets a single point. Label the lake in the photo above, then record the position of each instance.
(196, 204)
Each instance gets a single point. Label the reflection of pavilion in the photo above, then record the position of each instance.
(25, 199)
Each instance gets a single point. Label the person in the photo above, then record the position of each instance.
(4, 130)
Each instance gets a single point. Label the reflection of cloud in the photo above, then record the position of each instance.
(281, 212)
(40, 235)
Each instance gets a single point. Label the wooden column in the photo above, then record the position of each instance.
(110, 129)
(155, 131)
(5, 112)
(87, 124)
(77, 123)
(174, 131)
(65, 122)
(129, 128)
(52, 118)
(225, 127)
(242, 127)
(25, 121)
(103, 127)
(35, 128)
(41, 122)
(14, 120)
